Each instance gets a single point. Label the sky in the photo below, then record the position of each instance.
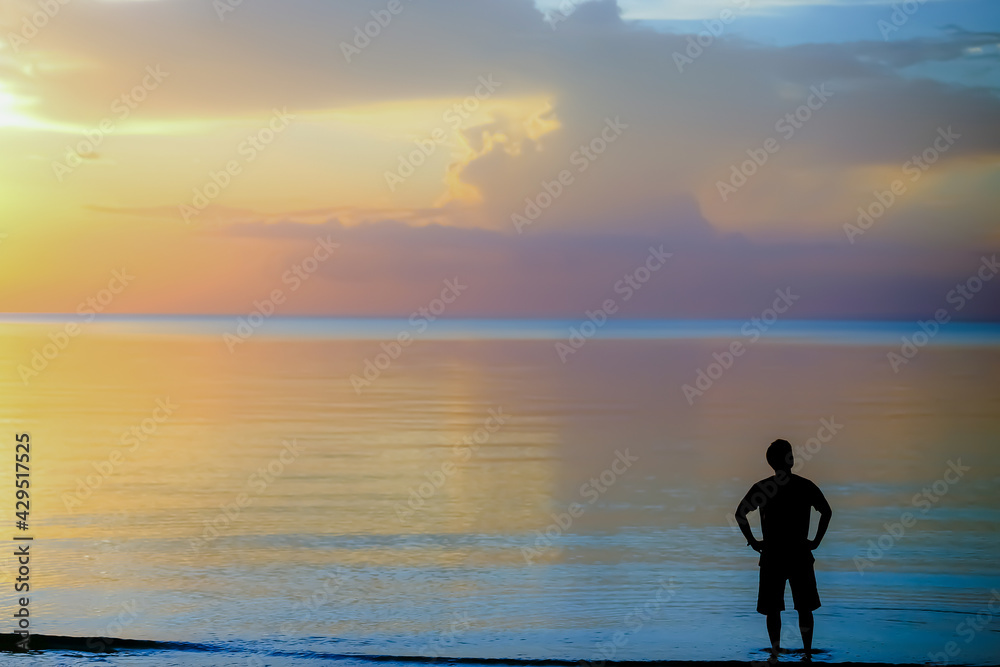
(533, 151)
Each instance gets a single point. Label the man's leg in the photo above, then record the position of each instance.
(806, 600)
(806, 628)
(771, 601)
(774, 631)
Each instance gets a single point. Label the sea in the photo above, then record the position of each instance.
(295, 491)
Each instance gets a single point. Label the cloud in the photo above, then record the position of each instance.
(685, 125)
(702, 9)
(562, 274)
(686, 128)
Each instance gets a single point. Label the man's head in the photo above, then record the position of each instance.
(779, 456)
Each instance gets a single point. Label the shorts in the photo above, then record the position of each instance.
(799, 574)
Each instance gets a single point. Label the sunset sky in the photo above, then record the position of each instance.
(204, 147)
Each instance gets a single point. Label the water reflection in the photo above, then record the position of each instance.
(415, 529)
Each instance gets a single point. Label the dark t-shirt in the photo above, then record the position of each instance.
(785, 501)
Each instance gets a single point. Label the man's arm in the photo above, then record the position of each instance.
(742, 509)
(825, 514)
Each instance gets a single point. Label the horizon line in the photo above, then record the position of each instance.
(239, 328)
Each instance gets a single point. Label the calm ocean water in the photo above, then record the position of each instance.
(252, 501)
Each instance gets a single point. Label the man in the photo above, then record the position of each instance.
(785, 502)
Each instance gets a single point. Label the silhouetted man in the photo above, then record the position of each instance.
(785, 501)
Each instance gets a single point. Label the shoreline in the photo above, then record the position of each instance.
(105, 645)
